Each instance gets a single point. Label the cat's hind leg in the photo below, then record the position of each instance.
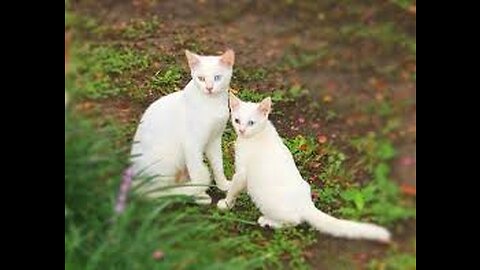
(203, 199)
(282, 217)
(182, 176)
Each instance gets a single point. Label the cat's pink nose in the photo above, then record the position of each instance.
(242, 130)
(209, 89)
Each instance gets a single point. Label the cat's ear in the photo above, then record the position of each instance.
(265, 106)
(234, 102)
(193, 59)
(228, 58)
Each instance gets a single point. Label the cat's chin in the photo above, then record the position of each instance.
(244, 136)
(218, 92)
(211, 94)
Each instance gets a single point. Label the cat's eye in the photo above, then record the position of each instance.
(217, 77)
(237, 121)
(201, 78)
(250, 123)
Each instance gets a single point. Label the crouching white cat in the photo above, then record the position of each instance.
(265, 167)
(176, 130)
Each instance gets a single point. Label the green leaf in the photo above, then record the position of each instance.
(386, 151)
(359, 201)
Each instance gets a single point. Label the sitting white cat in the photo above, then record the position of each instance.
(178, 129)
(265, 167)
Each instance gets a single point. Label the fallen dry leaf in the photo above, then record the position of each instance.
(84, 106)
(327, 99)
(158, 255)
(322, 139)
(361, 256)
(377, 84)
(331, 86)
(407, 161)
(408, 189)
(331, 62)
(405, 75)
(412, 9)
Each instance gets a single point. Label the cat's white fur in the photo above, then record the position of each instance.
(178, 129)
(265, 167)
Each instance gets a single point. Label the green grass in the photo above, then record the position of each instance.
(386, 34)
(245, 75)
(395, 261)
(83, 23)
(405, 4)
(303, 150)
(280, 248)
(295, 58)
(102, 71)
(167, 80)
(140, 28)
(229, 240)
(373, 149)
(95, 239)
(278, 95)
(379, 200)
(109, 71)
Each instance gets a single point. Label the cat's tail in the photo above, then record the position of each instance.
(345, 228)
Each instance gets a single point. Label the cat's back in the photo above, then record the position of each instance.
(169, 103)
(268, 160)
(162, 121)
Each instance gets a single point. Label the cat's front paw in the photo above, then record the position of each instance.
(222, 205)
(203, 199)
(224, 185)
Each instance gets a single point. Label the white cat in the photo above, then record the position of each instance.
(176, 130)
(265, 167)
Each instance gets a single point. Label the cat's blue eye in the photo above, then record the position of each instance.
(237, 121)
(217, 78)
(201, 78)
(250, 123)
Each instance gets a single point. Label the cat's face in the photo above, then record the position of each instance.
(249, 118)
(211, 74)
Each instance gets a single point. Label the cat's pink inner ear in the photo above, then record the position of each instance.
(234, 102)
(192, 59)
(265, 106)
(228, 58)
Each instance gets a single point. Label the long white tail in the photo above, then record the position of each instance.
(345, 228)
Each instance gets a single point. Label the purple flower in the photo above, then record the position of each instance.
(123, 192)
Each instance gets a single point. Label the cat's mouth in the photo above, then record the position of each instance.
(244, 134)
